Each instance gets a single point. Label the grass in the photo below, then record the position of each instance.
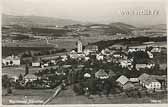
(16, 71)
(31, 94)
(69, 97)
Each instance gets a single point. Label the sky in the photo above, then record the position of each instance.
(98, 11)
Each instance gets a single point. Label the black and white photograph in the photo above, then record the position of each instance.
(64, 52)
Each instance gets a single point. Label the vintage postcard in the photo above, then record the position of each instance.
(87, 52)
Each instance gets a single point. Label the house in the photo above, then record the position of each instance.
(36, 64)
(149, 82)
(99, 57)
(11, 61)
(125, 63)
(128, 85)
(134, 80)
(87, 75)
(30, 77)
(156, 50)
(120, 55)
(122, 80)
(106, 52)
(139, 66)
(101, 74)
(143, 77)
(90, 49)
(162, 79)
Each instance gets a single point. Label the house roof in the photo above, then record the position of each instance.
(87, 75)
(101, 74)
(122, 79)
(128, 85)
(149, 81)
(133, 80)
(12, 58)
(143, 76)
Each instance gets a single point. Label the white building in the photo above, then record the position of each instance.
(99, 57)
(151, 84)
(11, 60)
(36, 64)
(125, 63)
(148, 82)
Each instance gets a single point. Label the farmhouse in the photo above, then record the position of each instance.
(122, 80)
(101, 74)
(11, 60)
(139, 66)
(148, 82)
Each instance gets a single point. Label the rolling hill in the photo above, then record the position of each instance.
(29, 21)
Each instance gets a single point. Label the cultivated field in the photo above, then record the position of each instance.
(30, 95)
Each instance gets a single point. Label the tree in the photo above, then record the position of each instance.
(26, 70)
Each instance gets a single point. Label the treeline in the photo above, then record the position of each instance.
(135, 40)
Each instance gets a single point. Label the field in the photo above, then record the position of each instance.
(69, 97)
(16, 71)
(29, 95)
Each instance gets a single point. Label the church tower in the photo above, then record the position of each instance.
(79, 46)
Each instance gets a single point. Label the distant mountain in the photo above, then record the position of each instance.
(159, 27)
(30, 21)
(122, 25)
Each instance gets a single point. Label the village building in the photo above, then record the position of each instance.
(124, 82)
(90, 49)
(156, 50)
(134, 80)
(120, 55)
(99, 57)
(87, 75)
(36, 64)
(106, 52)
(11, 61)
(148, 82)
(125, 63)
(142, 66)
(101, 74)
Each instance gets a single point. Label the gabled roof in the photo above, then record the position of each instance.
(12, 58)
(122, 79)
(101, 74)
(149, 81)
(143, 76)
(128, 85)
(87, 75)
